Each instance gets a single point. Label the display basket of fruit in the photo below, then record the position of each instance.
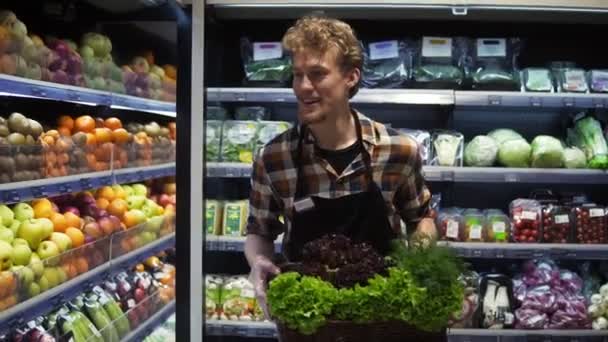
(347, 291)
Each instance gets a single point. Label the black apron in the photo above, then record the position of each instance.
(363, 216)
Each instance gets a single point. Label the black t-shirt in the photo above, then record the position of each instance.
(340, 159)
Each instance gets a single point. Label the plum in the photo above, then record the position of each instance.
(74, 64)
(77, 80)
(60, 76)
(143, 81)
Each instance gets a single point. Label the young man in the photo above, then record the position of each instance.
(338, 171)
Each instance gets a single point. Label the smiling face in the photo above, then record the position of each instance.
(321, 85)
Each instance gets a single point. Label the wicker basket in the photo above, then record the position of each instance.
(340, 331)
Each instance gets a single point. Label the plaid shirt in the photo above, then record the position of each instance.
(396, 168)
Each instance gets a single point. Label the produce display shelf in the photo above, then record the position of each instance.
(424, 97)
(46, 187)
(48, 300)
(231, 243)
(460, 174)
(147, 327)
(488, 250)
(506, 335)
(22, 87)
(377, 96)
(240, 329)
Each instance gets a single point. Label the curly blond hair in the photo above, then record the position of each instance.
(321, 34)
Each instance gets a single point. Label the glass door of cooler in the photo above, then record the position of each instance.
(88, 190)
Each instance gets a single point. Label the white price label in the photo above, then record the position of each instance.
(384, 50)
(491, 47)
(499, 227)
(131, 303)
(475, 233)
(452, 231)
(596, 212)
(436, 47)
(247, 293)
(528, 215)
(269, 50)
(561, 219)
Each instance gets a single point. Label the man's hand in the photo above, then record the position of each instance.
(261, 269)
(425, 235)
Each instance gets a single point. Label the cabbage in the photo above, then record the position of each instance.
(514, 153)
(574, 158)
(547, 152)
(481, 151)
(501, 135)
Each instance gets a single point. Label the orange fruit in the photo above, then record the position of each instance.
(139, 268)
(91, 139)
(64, 131)
(85, 124)
(121, 136)
(103, 135)
(76, 236)
(63, 158)
(104, 152)
(106, 192)
(91, 161)
(119, 192)
(170, 71)
(132, 219)
(118, 207)
(59, 222)
(82, 265)
(113, 123)
(43, 208)
(49, 140)
(53, 133)
(73, 220)
(103, 203)
(66, 121)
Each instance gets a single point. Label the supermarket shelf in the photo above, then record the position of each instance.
(539, 100)
(22, 87)
(460, 174)
(50, 299)
(528, 250)
(231, 244)
(240, 329)
(484, 335)
(23, 191)
(394, 96)
(146, 328)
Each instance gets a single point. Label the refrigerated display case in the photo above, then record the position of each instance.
(88, 153)
(500, 234)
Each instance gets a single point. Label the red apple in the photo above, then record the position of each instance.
(164, 199)
(93, 229)
(71, 209)
(107, 225)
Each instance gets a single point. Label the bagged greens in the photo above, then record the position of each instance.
(254, 113)
(268, 130)
(547, 152)
(494, 64)
(481, 151)
(442, 61)
(514, 153)
(265, 62)
(537, 79)
(447, 148)
(598, 81)
(238, 141)
(574, 158)
(213, 135)
(386, 64)
(587, 135)
(569, 78)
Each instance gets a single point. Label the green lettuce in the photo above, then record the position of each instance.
(587, 135)
(547, 152)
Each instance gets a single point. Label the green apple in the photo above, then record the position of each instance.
(33, 231)
(47, 226)
(7, 215)
(25, 274)
(135, 201)
(6, 256)
(15, 227)
(128, 190)
(19, 241)
(23, 211)
(6, 234)
(52, 275)
(154, 224)
(44, 284)
(33, 290)
(147, 237)
(22, 254)
(63, 277)
(62, 240)
(47, 250)
(36, 264)
(140, 189)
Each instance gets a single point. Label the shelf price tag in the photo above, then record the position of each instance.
(37, 91)
(64, 188)
(598, 103)
(39, 191)
(447, 176)
(568, 101)
(511, 178)
(11, 196)
(72, 95)
(85, 184)
(536, 101)
(494, 100)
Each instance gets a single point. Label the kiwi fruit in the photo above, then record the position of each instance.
(22, 161)
(35, 128)
(18, 123)
(16, 139)
(80, 139)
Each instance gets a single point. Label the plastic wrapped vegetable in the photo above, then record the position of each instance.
(547, 152)
(481, 151)
(556, 224)
(574, 158)
(494, 67)
(213, 217)
(590, 224)
(268, 130)
(238, 141)
(474, 226)
(598, 81)
(526, 217)
(447, 148)
(502, 135)
(450, 225)
(537, 80)
(213, 296)
(265, 62)
(514, 153)
(498, 226)
(571, 80)
(470, 303)
(387, 63)
(423, 138)
(254, 113)
(587, 135)
(496, 294)
(216, 113)
(530, 319)
(442, 62)
(213, 136)
(238, 299)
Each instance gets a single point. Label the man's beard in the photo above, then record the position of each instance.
(311, 118)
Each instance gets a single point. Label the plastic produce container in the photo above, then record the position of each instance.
(213, 138)
(526, 217)
(474, 226)
(451, 226)
(590, 224)
(498, 226)
(238, 141)
(557, 227)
